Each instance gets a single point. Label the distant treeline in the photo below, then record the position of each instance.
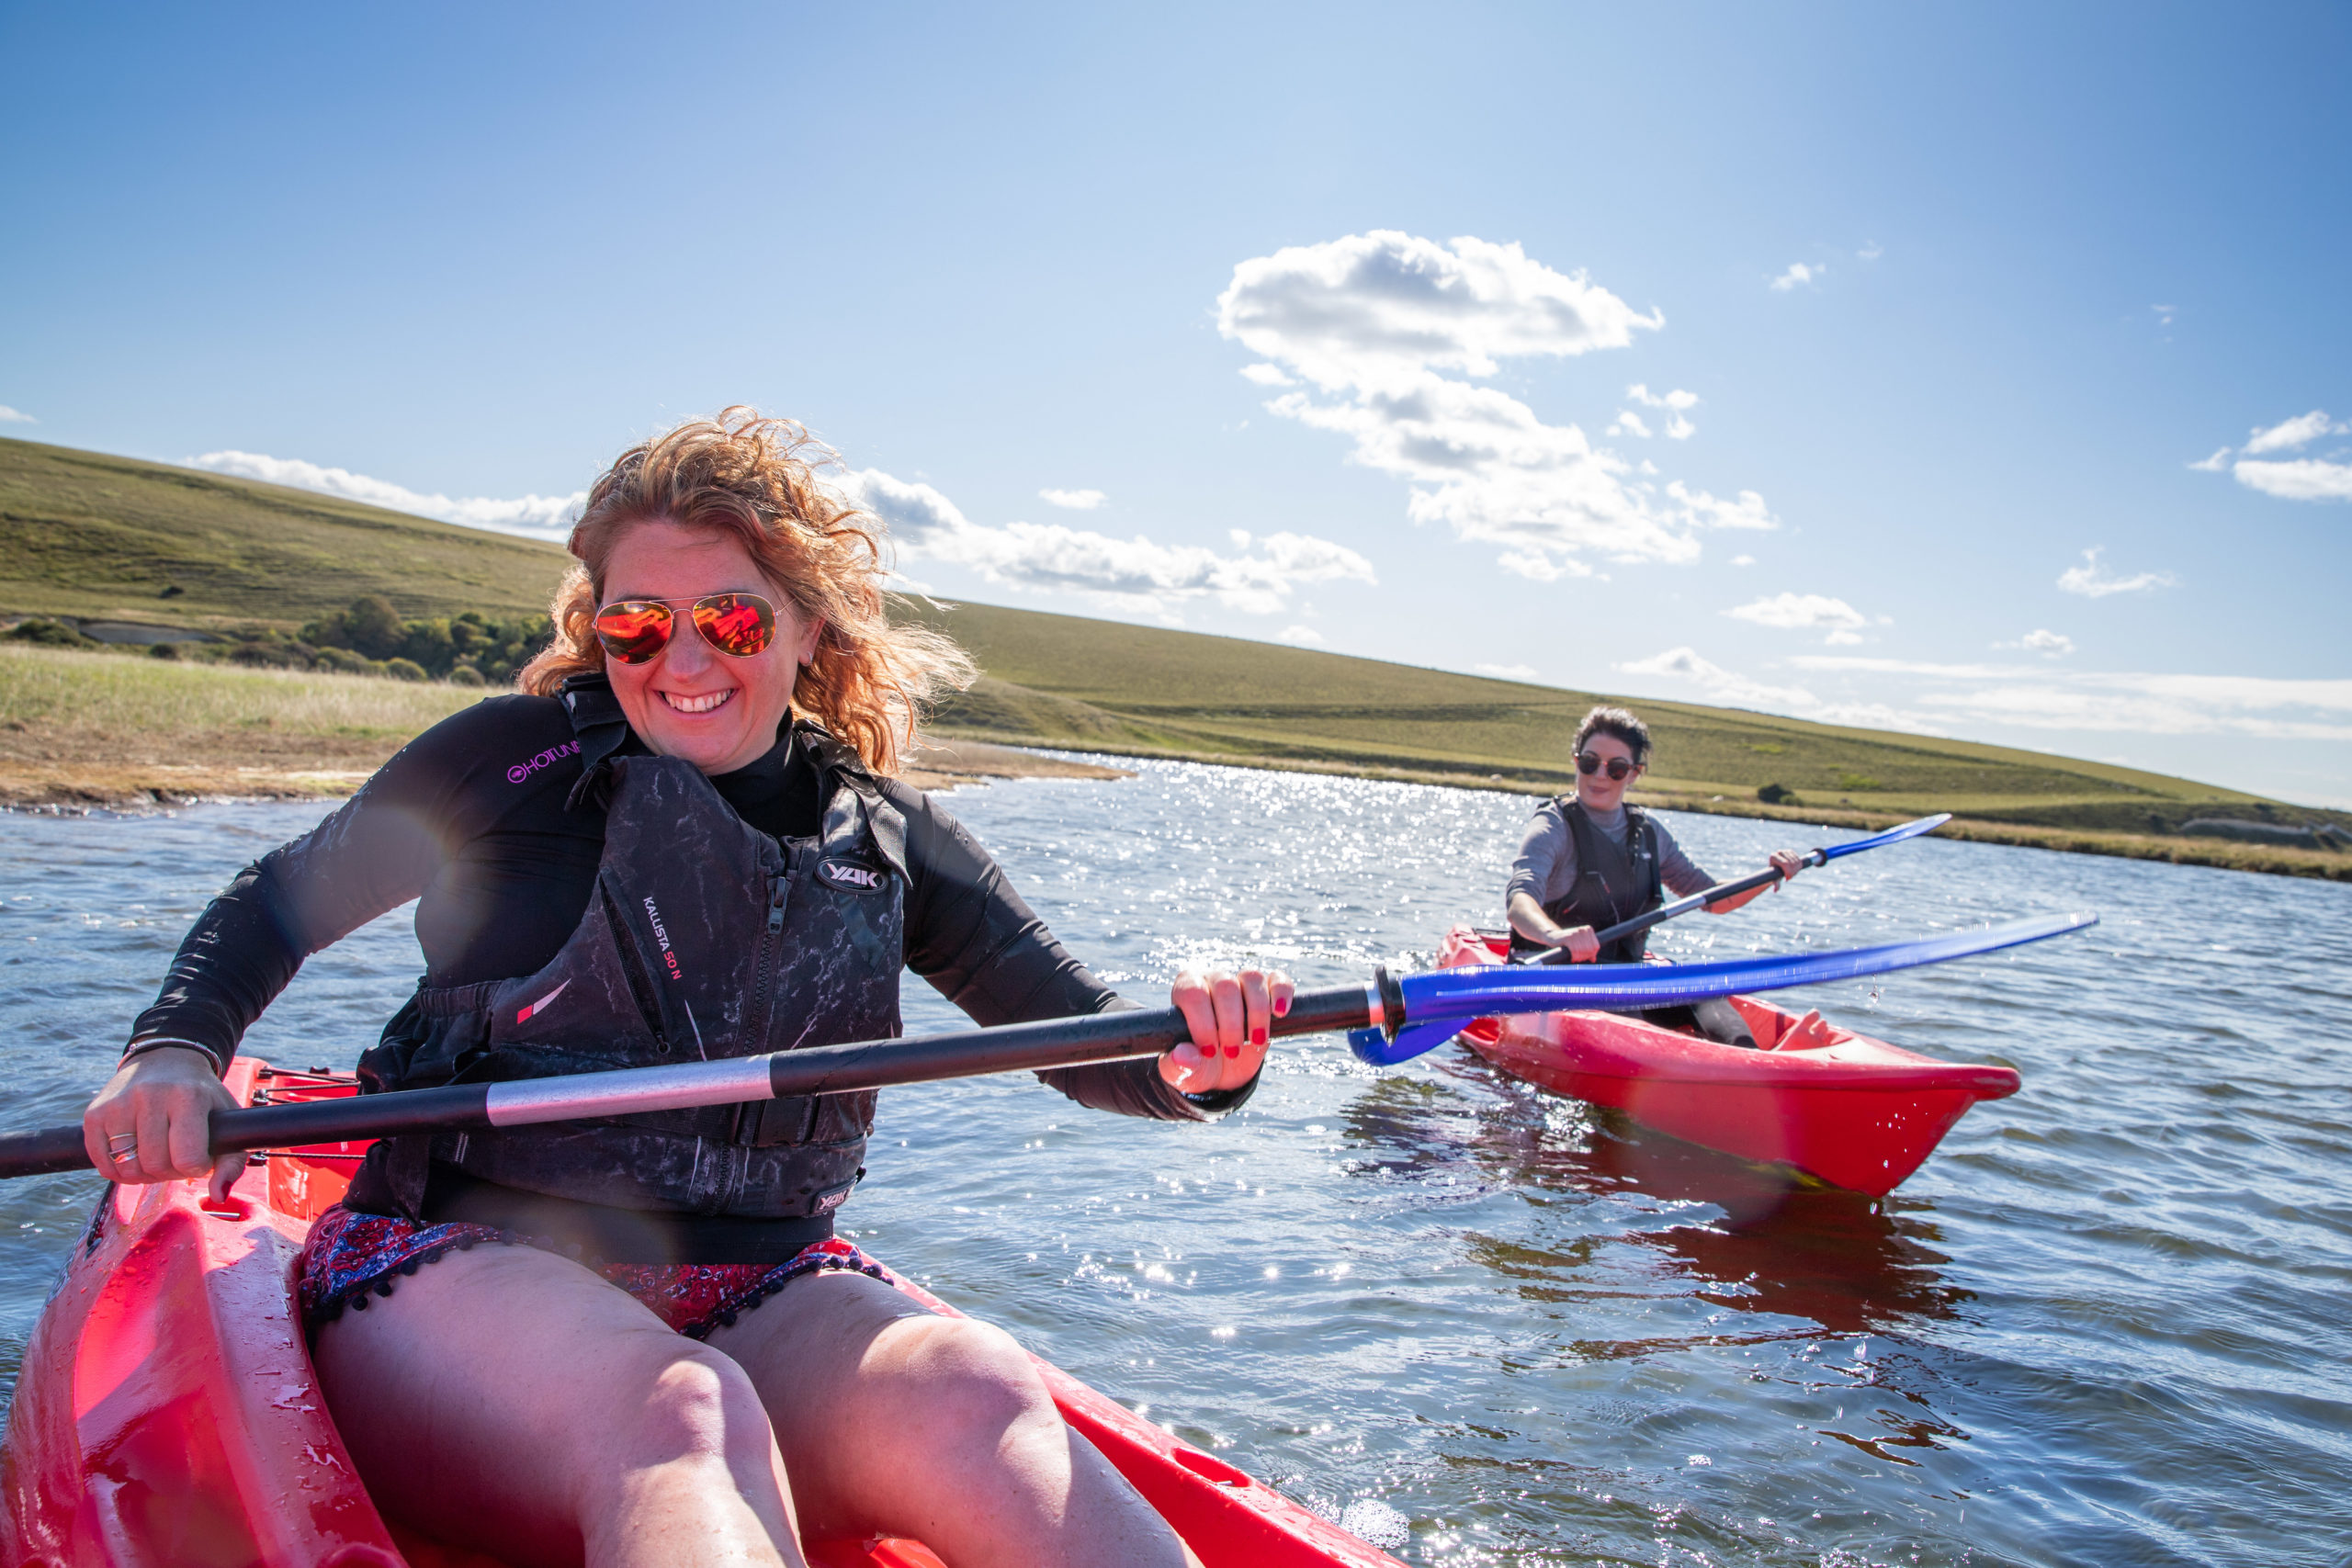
(368, 639)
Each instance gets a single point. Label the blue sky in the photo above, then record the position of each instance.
(1339, 311)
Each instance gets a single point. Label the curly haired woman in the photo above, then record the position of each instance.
(684, 840)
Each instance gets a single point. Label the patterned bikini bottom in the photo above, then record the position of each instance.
(350, 1256)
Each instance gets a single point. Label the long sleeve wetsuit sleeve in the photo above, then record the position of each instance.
(981, 947)
(374, 853)
(1677, 870)
(1537, 871)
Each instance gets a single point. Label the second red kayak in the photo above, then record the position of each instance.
(1852, 1111)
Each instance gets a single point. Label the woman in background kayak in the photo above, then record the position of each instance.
(686, 844)
(1590, 862)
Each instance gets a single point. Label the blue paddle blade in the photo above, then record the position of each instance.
(1375, 1047)
(1439, 1003)
(1892, 836)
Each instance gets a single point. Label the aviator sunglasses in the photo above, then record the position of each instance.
(1589, 762)
(738, 625)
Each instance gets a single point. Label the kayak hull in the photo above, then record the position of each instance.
(167, 1415)
(1855, 1112)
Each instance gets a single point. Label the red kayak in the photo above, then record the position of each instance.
(1852, 1111)
(166, 1415)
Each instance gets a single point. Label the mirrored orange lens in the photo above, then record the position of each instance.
(633, 630)
(736, 624)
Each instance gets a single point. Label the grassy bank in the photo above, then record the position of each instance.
(95, 538)
(113, 729)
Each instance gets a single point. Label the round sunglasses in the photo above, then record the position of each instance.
(738, 625)
(1591, 762)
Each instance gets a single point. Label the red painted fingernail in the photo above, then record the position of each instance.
(1233, 1050)
(1281, 1007)
(1257, 1037)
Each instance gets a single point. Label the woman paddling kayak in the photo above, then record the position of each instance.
(1589, 860)
(686, 842)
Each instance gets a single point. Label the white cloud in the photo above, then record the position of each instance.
(1267, 376)
(1382, 327)
(1871, 250)
(2164, 314)
(1806, 611)
(1506, 672)
(1677, 399)
(1541, 567)
(1743, 561)
(14, 416)
(2056, 644)
(2289, 433)
(2300, 478)
(1300, 636)
(2305, 479)
(1678, 428)
(1075, 499)
(2036, 696)
(1130, 574)
(1798, 273)
(2092, 581)
(541, 516)
(1388, 306)
(1629, 423)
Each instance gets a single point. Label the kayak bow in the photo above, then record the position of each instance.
(167, 1415)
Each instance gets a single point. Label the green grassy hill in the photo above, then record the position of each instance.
(94, 536)
(1063, 678)
(112, 538)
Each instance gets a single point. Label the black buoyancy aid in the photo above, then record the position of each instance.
(705, 938)
(1614, 882)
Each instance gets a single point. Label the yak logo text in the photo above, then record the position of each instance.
(850, 874)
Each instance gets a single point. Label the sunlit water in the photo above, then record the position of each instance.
(2106, 1325)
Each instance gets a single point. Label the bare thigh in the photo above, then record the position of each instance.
(504, 1397)
(893, 1420)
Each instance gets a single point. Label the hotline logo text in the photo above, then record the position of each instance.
(547, 758)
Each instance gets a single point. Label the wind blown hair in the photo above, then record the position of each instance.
(1607, 720)
(757, 479)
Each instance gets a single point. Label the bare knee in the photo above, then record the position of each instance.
(695, 1408)
(980, 1390)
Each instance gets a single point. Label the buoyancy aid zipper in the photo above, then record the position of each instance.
(779, 894)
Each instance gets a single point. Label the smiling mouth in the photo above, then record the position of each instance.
(708, 703)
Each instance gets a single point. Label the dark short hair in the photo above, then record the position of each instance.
(1606, 721)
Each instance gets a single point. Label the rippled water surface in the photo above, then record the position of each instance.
(2106, 1325)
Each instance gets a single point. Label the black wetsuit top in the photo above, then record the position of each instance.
(469, 820)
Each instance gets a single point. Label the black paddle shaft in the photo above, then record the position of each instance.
(1715, 894)
(818, 1069)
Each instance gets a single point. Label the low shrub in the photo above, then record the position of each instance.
(49, 634)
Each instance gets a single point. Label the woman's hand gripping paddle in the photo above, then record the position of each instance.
(1770, 874)
(1393, 1019)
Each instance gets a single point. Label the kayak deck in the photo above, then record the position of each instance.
(167, 1415)
(1854, 1112)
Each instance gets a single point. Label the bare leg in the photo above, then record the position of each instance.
(514, 1402)
(893, 1421)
